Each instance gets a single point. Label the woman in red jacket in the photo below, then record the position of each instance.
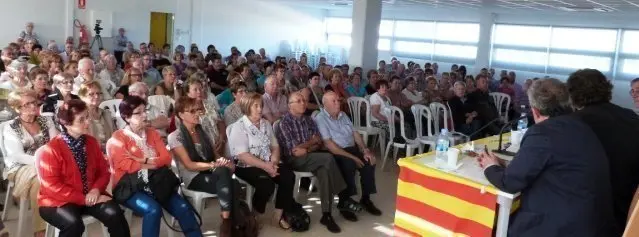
(138, 149)
(74, 175)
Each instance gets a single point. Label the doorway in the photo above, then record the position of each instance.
(161, 29)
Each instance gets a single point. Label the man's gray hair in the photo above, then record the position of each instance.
(459, 83)
(137, 86)
(550, 97)
(84, 61)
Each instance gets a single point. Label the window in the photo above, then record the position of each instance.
(415, 29)
(574, 61)
(456, 51)
(511, 56)
(339, 25)
(532, 36)
(339, 40)
(386, 28)
(630, 42)
(413, 47)
(600, 40)
(630, 66)
(459, 32)
(384, 44)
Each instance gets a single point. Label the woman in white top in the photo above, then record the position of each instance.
(411, 91)
(253, 144)
(102, 123)
(22, 137)
(380, 107)
(18, 72)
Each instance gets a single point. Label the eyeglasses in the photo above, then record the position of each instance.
(199, 110)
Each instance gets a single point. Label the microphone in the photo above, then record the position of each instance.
(499, 149)
(484, 127)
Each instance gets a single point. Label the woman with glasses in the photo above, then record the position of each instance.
(169, 84)
(101, 121)
(139, 149)
(74, 176)
(201, 167)
(133, 75)
(64, 85)
(233, 112)
(22, 137)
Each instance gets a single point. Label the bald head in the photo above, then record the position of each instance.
(295, 96)
(270, 85)
(331, 103)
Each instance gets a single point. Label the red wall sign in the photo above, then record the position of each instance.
(82, 4)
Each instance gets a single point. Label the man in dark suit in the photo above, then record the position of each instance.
(481, 102)
(561, 171)
(617, 129)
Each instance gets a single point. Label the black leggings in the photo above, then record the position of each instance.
(265, 186)
(216, 182)
(68, 218)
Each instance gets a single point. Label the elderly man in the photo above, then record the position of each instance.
(68, 48)
(561, 171)
(350, 154)
(617, 129)
(86, 69)
(274, 103)
(152, 75)
(481, 102)
(299, 137)
(28, 33)
(157, 117)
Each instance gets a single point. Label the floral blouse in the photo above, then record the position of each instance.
(244, 136)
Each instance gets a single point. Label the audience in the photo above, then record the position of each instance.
(634, 93)
(482, 103)
(351, 154)
(18, 74)
(74, 175)
(132, 76)
(138, 153)
(101, 121)
(313, 93)
(616, 127)
(464, 117)
(112, 72)
(565, 181)
(300, 140)
(22, 137)
(254, 146)
(201, 167)
(356, 88)
(40, 81)
(381, 107)
(86, 69)
(168, 85)
(156, 117)
(211, 120)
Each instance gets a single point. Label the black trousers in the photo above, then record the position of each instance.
(68, 218)
(217, 182)
(265, 186)
(118, 57)
(348, 169)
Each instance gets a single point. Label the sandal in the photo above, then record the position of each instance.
(282, 223)
(349, 205)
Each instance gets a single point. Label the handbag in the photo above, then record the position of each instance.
(163, 183)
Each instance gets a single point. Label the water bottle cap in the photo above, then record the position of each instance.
(444, 130)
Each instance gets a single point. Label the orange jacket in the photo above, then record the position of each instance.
(121, 148)
(61, 181)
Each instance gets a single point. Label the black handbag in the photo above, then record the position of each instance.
(163, 183)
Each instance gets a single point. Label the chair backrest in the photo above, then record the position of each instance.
(391, 124)
(355, 105)
(2, 149)
(162, 102)
(419, 112)
(439, 113)
(501, 100)
(450, 114)
(113, 107)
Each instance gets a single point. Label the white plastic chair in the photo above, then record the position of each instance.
(50, 230)
(409, 144)
(420, 112)
(298, 182)
(162, 102)
(501, 100)
(196, 196)
(113, 107)
(24, 205)
(250, 190)
(440, 111)
(355, 105)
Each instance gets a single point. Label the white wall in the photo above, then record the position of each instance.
(48, 21)
(252, 24)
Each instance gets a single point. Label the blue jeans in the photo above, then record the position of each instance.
(151, 211)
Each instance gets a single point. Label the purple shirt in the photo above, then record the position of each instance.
(292, 131)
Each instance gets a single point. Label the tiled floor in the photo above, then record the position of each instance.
(367, 226)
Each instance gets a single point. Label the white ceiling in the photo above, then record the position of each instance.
(603, 6)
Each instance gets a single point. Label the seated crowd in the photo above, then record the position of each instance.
(243, 117)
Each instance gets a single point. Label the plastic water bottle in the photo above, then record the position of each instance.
(441, 149)
(522, 124)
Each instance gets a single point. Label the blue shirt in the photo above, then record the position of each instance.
(359, 91)
(339, 130)
(224, 99)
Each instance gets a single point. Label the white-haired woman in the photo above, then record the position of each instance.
(18, 72)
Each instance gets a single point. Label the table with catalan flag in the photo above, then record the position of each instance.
(435, 201)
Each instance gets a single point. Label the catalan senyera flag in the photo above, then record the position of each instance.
(431, 202)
